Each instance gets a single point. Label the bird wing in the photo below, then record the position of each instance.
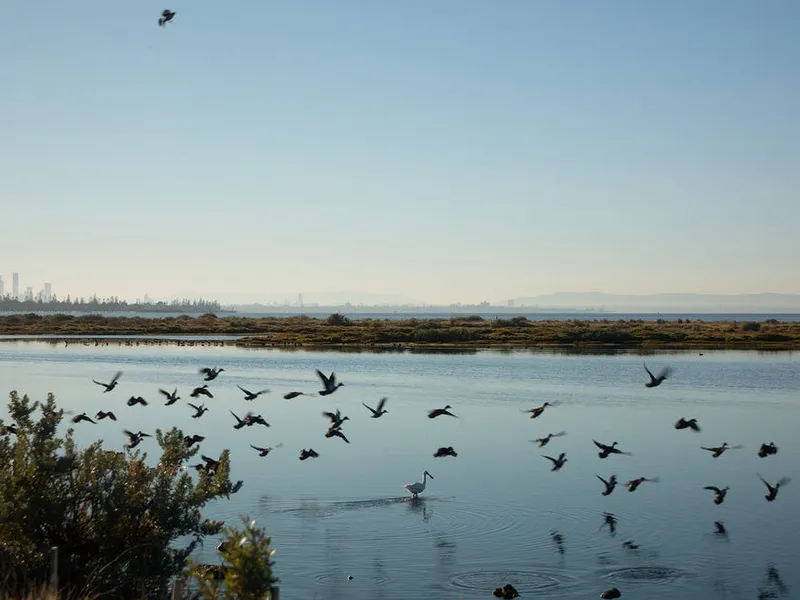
(256, 448)
(132, 435)
(382, 403)
(649, 372)
(783, 481)
(372, 410)
(237, 418)
(194, 406)
(244, 390)
(116, 377)
(325, 381)
(165, 392)
(332, 378)
(713, 488)
(99, 383)
(665, 372)
(329, 415)
(205, 371)
(599, 445)
(111, 416)
(603, 480)
(764, 481)
(550, 458)
(559, 434)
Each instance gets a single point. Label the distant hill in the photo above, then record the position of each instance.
(667, 303)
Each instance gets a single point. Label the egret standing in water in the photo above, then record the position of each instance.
(417, 488)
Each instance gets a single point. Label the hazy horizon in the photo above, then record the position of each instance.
(449, 151)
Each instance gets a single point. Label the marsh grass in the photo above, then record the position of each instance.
(456, 332)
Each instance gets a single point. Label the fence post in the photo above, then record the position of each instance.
(178, 589)
(54, 569)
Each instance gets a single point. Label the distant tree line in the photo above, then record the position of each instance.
(112, 304)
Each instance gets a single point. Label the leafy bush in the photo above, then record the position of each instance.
(247, 566)
(115, 520)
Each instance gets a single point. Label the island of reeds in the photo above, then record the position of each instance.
(339, 331)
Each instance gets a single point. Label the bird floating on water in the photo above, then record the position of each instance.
(262, 452)
(210, 374)
(171, 398)
(687, 424)
(83, 417)
(251, 395)
(557, 462)
(656, 381)
(719, 493)
(635, 483)
(330, 384)
(111, 384)
(199, 410)
(610, 484)
(415, 489)
(546, 440)
(773, 490)
(439, 412)
(606, 450)
(445, 451)
(610, 594)
(105, 415)
(201, 391)
(630, 545)
(306, 454)
(507, 592)
(717, 451)
(719, 529)
(166, 16)
(767, 450)
(377, 412)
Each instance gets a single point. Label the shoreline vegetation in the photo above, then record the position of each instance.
(462, 332)
(113, 304)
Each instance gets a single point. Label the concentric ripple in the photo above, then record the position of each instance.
(650, 574)
(526, 582)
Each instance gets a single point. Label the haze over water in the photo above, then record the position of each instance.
(485, 519)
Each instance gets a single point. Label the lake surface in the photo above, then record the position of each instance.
(485, 520)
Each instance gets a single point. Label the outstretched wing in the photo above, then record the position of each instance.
(116, 377)
(325, 381)
(381, 404)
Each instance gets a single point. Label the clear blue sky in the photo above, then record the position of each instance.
(446, 150)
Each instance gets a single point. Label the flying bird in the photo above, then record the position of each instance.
(336, 431)
(134, 400)
(606, 450)
(557, 462)
(773, 490)
(687, 424)
(251, 395)
(198, 410)
(111, 384)
(610, 484)
(291, 395)
(210, 374)
(135, 438)
(719, 493)
(166, 16)
(377, 412)
(546, 440)
(262, 452)
(445, 451)
(635, 483)
(171, 398)
(717, 451)
(336, 418)
(535, 412)
(105, 415)
(656, 381)
(329, 383)
(83, 417)
(767, 450)
(201, 391)
(438, 412)
(306, 454)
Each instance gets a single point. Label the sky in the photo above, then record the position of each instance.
(457, 150)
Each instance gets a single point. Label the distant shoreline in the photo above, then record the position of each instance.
(462, 332)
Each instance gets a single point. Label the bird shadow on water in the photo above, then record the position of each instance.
(314, 508)
(773, 585)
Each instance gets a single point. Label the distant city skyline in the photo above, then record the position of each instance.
(447, 151)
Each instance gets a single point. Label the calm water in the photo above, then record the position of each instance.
(486, 518)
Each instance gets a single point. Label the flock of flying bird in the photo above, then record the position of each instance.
(331, 385)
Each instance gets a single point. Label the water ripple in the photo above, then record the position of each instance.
(526, 582)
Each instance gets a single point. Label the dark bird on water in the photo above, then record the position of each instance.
(656, 381)
(306, 454)
(767, 450)
(336, 418)
(82, 417)
(329, 383)
(606, 450)
(105, 415)
(439, 412)
(535, 412)
(610, 484)
(262, 452)
(630, 545)
(190, 440)
(507, 592)
(773, 490)
(377, 412)
(171, 398)
(717, 451)
(719, 529)
(635, 483)
(610, 594)
(166, 16)
(687, 424)
(558, 539)
(111, 384)
(546, 440)
(719, 493)
(201, 391)
(337, 432)
(445, 451)
(135, 438)
(134, 400)
(198, 410)
(291, 395)
(210, 374)
(251, 395)
(557, 462)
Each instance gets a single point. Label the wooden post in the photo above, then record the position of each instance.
(178, 589)
(54, 569)
(274, 593)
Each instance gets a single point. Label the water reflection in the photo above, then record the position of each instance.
(773, 586)
(420, 506)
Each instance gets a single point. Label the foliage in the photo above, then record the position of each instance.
(112, 304)
(340, 332)
(247, 566)
(115, 520)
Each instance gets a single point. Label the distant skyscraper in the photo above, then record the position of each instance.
(15, 286)
(48, 292)
(29, 293)
(2, 287)
(300, 299)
